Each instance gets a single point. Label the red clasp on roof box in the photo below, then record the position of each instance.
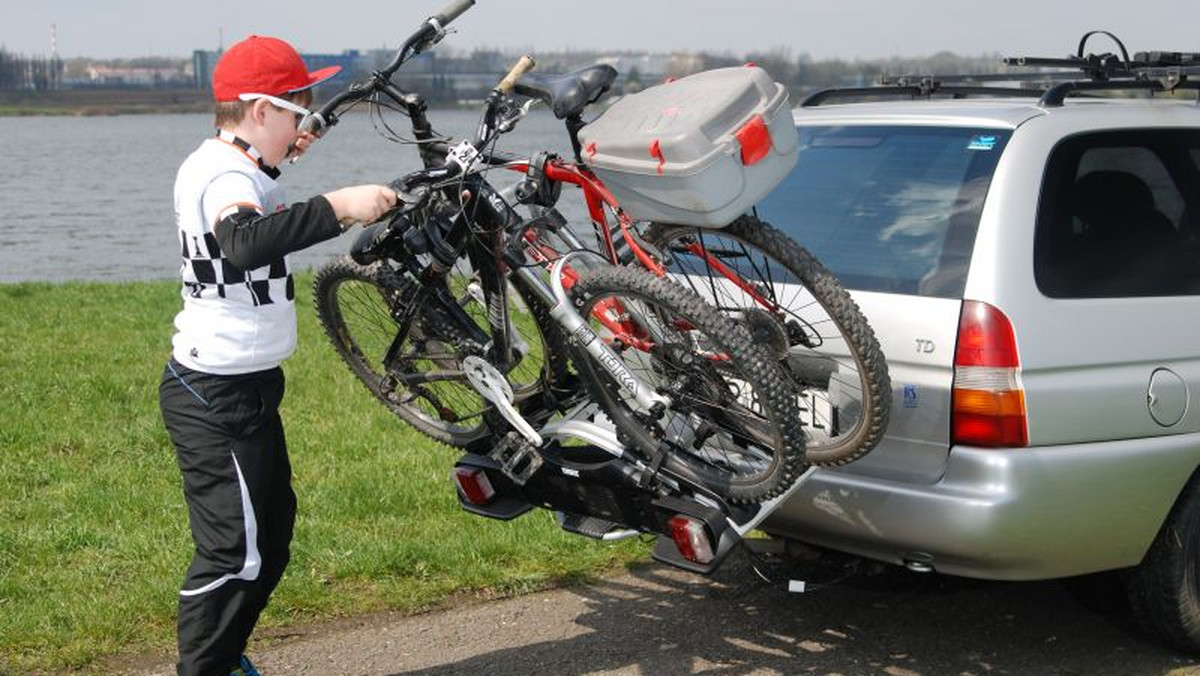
(755, 140)
(656, 153)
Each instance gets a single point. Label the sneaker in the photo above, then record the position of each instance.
(245, 668)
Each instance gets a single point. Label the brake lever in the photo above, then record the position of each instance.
(408, 200)
(510, 114)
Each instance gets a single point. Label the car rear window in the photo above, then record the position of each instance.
(889, 208)
(1119, 216)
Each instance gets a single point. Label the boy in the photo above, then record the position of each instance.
(222, 386)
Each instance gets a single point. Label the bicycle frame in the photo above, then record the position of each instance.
(598, 197)
(485, 237)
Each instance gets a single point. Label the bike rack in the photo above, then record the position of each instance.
(604, 498)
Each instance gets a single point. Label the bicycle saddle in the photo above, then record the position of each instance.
(567, 95)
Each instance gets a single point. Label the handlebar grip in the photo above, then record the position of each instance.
(523, 66)
(452, 12)
(313, 124)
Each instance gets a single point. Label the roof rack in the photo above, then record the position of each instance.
(1152, 72)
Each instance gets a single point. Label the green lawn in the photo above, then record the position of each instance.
(93, 529)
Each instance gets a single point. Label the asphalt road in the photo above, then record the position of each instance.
(656, 620)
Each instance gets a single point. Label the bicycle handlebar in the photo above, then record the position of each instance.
(452, 12)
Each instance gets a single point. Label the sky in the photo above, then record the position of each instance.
(847, 29)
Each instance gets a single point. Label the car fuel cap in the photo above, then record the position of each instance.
(1167, 397)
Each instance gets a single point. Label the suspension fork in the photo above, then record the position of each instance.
(405, 315)
(609, 312)
(563, 311)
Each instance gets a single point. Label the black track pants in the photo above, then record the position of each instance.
(237, 483)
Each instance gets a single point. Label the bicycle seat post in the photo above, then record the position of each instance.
(574, 124)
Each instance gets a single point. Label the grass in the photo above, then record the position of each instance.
(93, 529)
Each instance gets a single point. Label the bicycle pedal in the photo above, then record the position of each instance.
(519, 459)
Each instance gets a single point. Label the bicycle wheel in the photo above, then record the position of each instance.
(423, 382)
(795, 307)
(732, 425)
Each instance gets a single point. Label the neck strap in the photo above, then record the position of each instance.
(249, 150)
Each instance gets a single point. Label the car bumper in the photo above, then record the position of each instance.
(1017, 514)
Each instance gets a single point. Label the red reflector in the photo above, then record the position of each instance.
(990, 432)
(990, 419)
(755, 139)
(691, 539)
(474, 485)
(985, 337)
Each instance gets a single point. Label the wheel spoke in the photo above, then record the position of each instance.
(846, 407)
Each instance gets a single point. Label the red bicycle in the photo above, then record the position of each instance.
(749, 270)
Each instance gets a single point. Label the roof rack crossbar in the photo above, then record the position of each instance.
(982, 77)
(1054, 96)
(956, 91)
(819, 97)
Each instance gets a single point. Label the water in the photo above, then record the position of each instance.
(90, 198)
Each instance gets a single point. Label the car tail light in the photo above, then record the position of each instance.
(691, 538)
(988, 399)
(474, 485)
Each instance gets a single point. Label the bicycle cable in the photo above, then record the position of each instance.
(388, 133)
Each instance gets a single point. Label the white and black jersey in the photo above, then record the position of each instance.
(235, 232)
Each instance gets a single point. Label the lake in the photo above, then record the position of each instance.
(90, 198)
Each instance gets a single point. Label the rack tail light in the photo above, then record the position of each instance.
(474, 485)
(691, 539)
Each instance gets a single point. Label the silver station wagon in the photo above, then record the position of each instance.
(1031, 267)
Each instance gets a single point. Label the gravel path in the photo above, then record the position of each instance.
(656, 620)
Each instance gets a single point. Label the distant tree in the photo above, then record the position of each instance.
(6, 75)
(20, 72)
(633, 81)
(778, 62)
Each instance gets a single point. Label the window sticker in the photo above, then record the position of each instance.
(982, 142)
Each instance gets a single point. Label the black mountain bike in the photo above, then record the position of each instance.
(445, 315)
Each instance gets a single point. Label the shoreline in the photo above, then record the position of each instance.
(91, 102)
(113, 101)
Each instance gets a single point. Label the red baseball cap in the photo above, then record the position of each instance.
(264, 65)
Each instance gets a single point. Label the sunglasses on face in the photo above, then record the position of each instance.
(300, 111)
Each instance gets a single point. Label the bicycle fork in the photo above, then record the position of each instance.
(562, 310)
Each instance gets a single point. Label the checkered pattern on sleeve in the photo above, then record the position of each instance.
(207, 274)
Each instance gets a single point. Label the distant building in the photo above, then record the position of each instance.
(117, 76)
(350, 60)
(202, 68)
